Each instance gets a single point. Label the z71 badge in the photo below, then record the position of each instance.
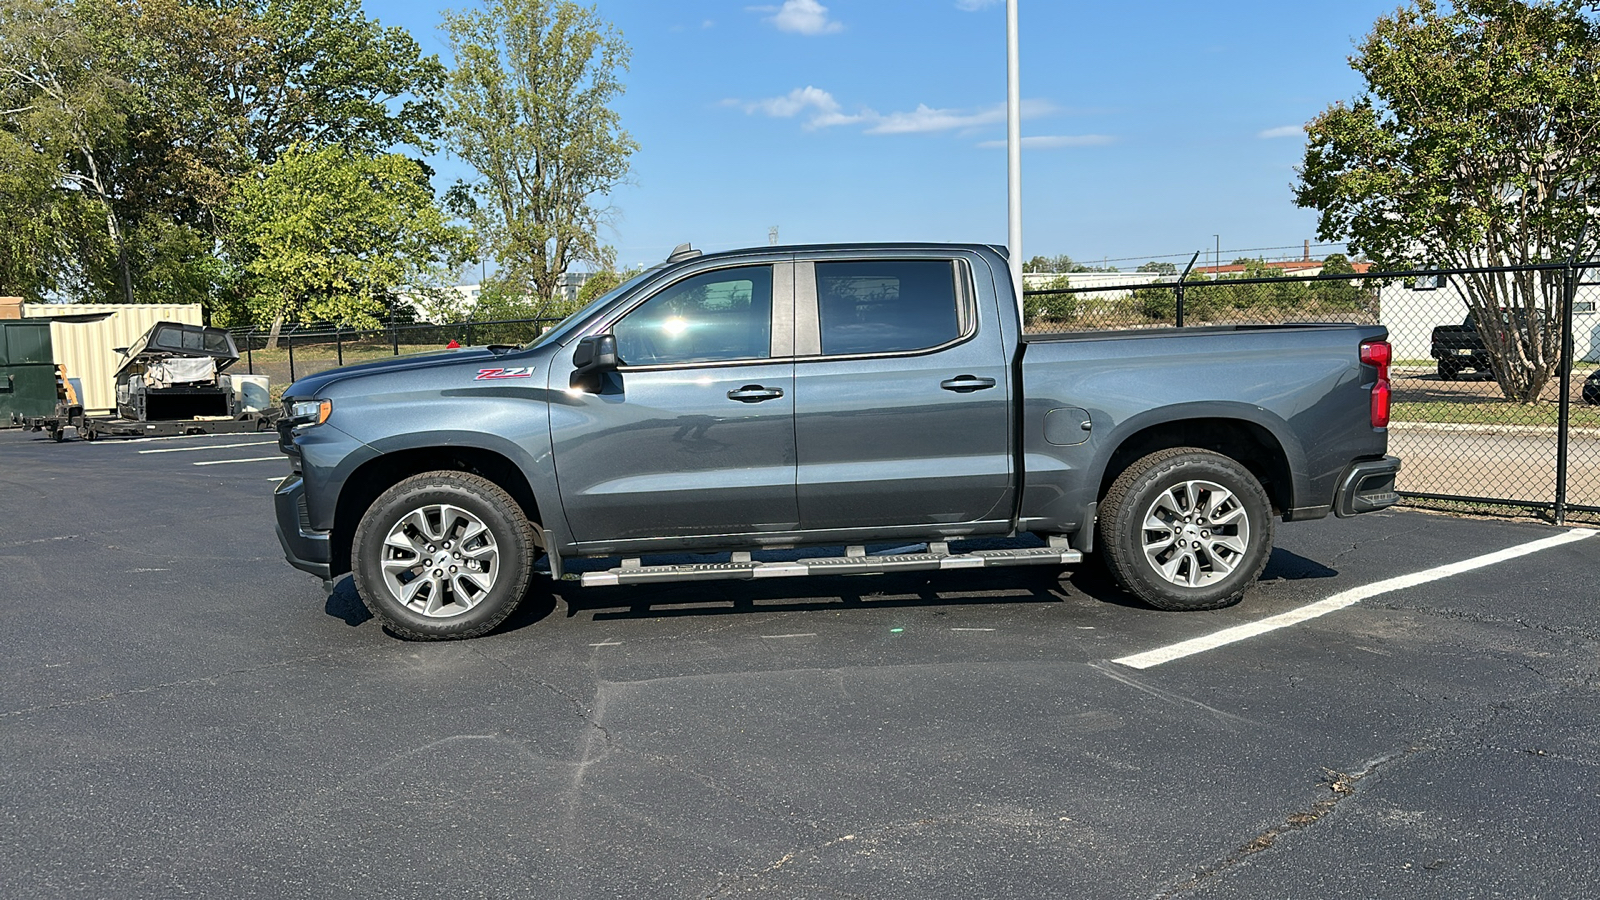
(494, 374)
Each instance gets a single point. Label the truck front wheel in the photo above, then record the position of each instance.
(1186, 529)
(443, 555)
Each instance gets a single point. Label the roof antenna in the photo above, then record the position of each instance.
(772, 235)
(681, 253)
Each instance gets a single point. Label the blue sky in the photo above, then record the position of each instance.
(1154, 124)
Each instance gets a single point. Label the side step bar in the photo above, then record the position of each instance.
(855, 562)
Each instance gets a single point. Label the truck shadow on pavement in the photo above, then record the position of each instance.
(1088, 582)
(993, 587)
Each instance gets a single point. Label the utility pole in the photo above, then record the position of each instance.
(1014, 152)
(1217, 260)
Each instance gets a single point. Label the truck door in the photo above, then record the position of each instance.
(902, 405)
(694, 433)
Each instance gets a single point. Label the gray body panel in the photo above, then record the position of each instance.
(1304, 385)
(659, 458)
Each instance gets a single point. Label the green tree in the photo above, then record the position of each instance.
(528, 105)
(1473, 144)
(64, 120)
(332, 235)
(1159, 268)
(124, 128)
(327, 74)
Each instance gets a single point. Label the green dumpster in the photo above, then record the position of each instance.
(27, 369)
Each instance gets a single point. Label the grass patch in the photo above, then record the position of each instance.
(1539, 415)
(353, 353)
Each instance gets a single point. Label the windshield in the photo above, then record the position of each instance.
(560, 330)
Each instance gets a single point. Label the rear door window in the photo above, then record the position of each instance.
(887, 306)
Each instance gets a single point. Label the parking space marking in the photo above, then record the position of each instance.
(779, 637)
(972, 629)
(1339, 601)
(223, 462)
(208, 447)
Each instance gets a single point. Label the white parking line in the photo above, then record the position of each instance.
(223, 462)
(208, 447)
(972, 629)
(779, 637)
(1339, 601)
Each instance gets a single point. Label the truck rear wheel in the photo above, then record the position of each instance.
(1449, 369)
(443, 555)
(1186, 529)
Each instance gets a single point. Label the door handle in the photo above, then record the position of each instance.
(966, 384)
(754, 393)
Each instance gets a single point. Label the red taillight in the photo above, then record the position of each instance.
(1379, 353)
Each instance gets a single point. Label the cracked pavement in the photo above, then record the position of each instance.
(182, 714)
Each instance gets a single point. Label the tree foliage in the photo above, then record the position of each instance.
(1060, 264)
(126, 127)
(529, 106)
(1473, 144)
(331, 234)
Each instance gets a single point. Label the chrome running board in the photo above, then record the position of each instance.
(854, 562)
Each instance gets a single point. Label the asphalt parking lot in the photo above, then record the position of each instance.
(183, 714)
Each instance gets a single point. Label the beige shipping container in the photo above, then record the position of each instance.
(88, 348)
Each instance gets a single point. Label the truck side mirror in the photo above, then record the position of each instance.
(595, 356)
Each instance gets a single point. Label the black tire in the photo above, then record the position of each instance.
(1202, 578)
(1449, 369)
(447, 502)
(1591, 389)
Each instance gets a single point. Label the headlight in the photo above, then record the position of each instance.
(307, 412)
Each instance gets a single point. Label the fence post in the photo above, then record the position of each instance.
(338, 343)
(394, 330)
(249, 358)
(1569, 290)
(288, 341)
(1178, 291)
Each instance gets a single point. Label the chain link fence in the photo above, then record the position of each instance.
(306, 351)
(1494, 410)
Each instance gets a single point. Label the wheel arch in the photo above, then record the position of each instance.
(373, 477)
(1254, 445)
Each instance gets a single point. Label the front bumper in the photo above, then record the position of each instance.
(1368, 486)
(306, 548)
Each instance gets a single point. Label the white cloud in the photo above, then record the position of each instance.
(924, 119)
(1057, 141)
(827, 112)
(974, 5)
(806, 17)
(1286, 131)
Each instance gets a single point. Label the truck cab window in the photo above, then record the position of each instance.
(711, 317)
(887, 306)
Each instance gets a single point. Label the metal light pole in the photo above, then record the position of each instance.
(1014, 151)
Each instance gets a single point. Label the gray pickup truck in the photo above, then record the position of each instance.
(881, 399)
